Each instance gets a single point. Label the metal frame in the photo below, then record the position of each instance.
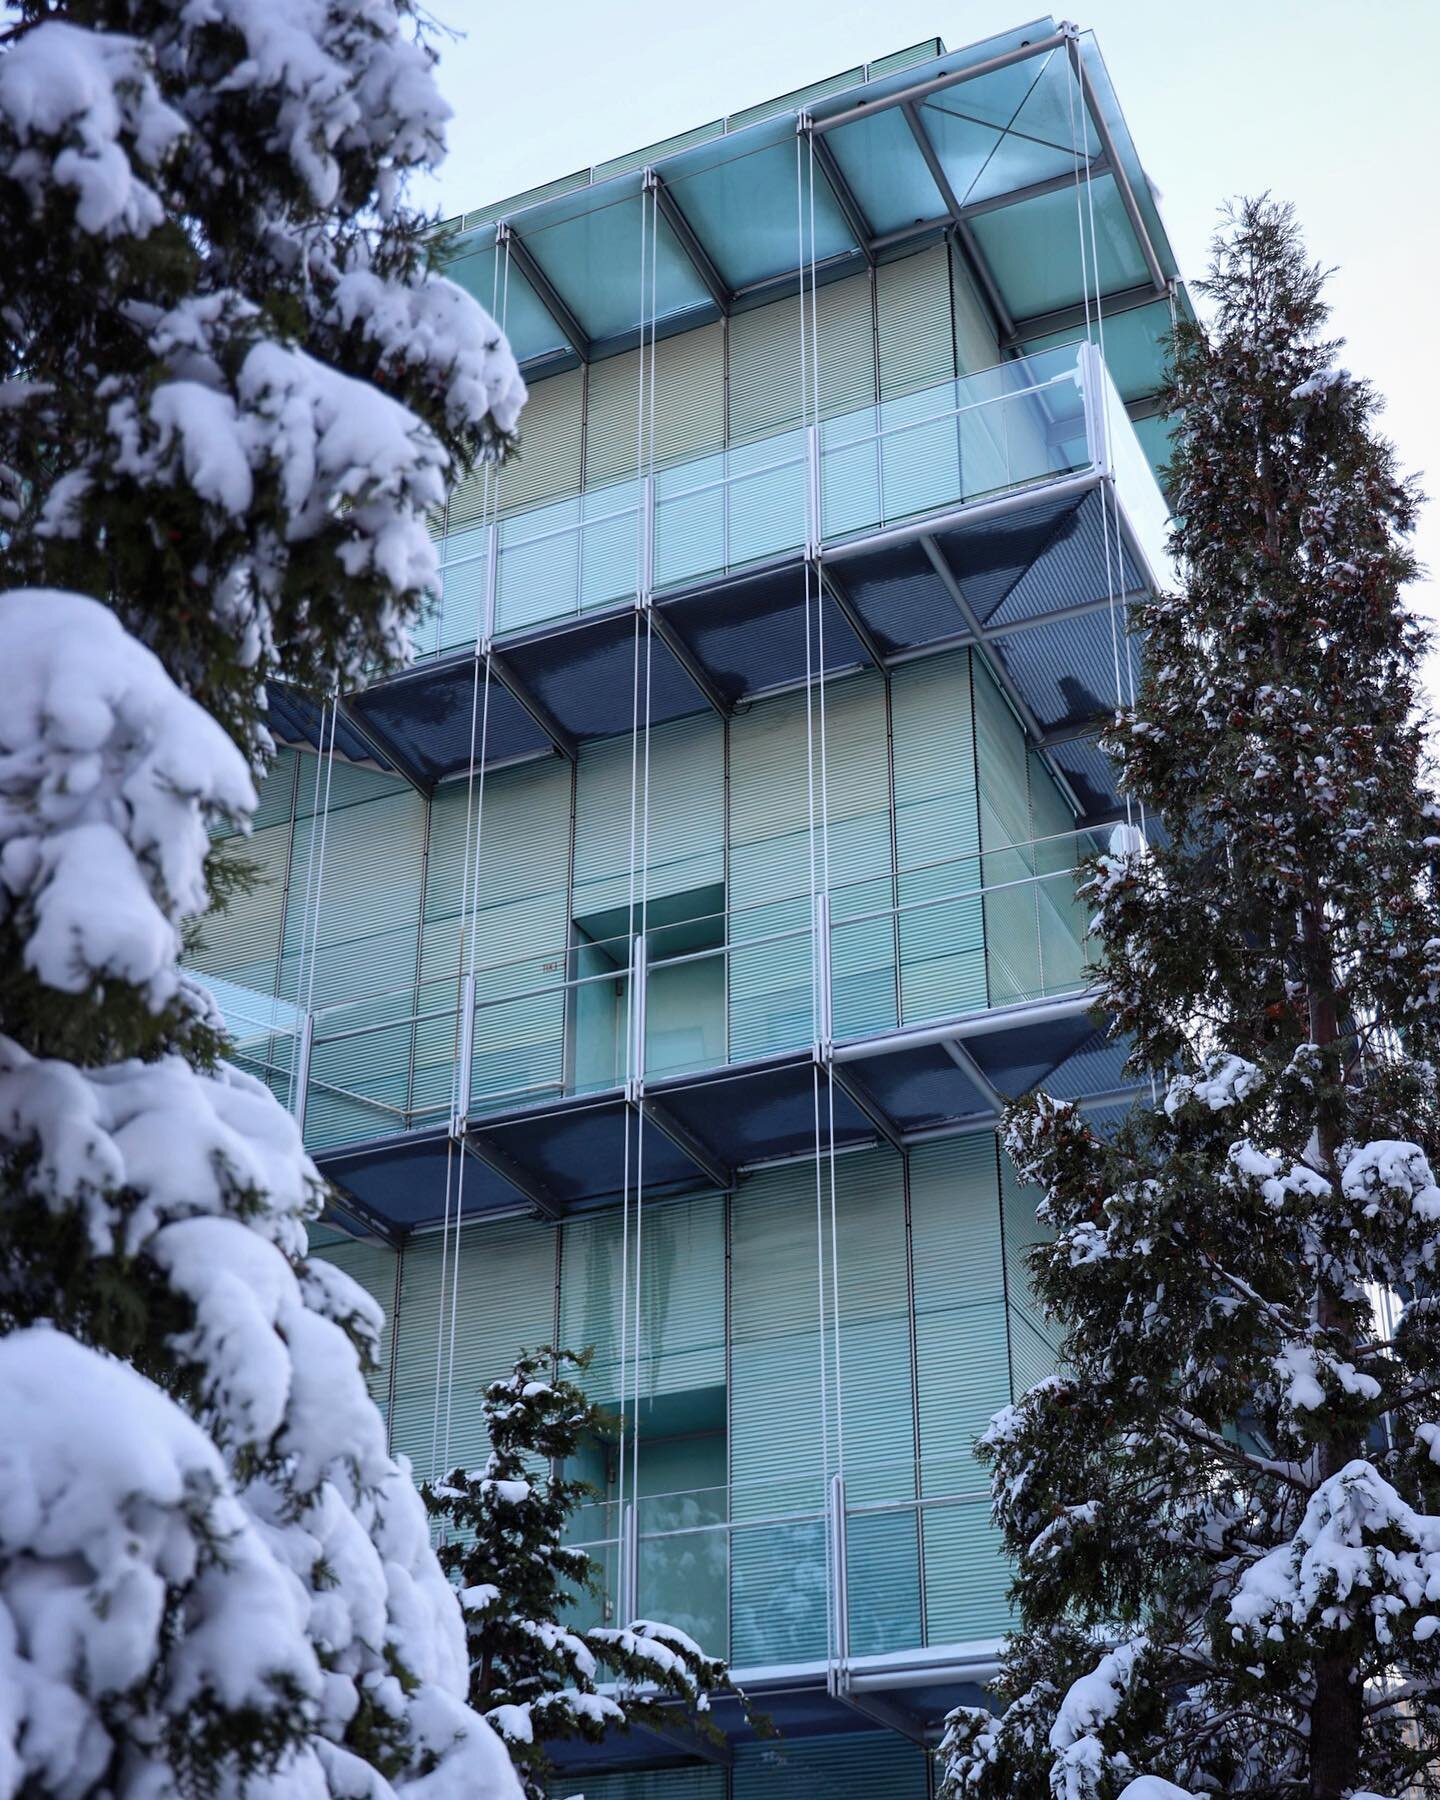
(484, 1149)
(701, 261)
(546, 292)
(868, 243)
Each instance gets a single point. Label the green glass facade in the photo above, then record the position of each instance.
(649, 965)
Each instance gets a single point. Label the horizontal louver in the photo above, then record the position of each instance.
(775, 1405)
(963, 1376)
(914, 322)
(765, 394)
(937, 837)
(373, 1267)
(520, 932)
(681, 1250)
(857, 1766)
(679, 837)
(506, 1275)
(351, 953)
(976, 344)
(546, 465)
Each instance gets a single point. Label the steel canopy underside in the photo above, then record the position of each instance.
(986, 142)
(1023, 578)
(703, 1131)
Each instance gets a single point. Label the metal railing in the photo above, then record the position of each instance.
(1023, 422)
(805, 1568)
(919, 946)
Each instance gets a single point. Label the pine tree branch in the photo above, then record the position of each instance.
(1186, 1425)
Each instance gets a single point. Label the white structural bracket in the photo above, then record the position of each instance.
(465, 1054)
(838, 1661)
(635, 1058)
(303, 1051)
(824, 995)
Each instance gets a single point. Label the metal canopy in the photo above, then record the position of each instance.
(1024, 579)
(705, 1131)
(984, 142)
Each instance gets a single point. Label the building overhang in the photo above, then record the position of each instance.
(1008, 145)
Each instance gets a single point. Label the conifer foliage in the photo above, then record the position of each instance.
(1225, 1507)
(534, 1678)
(232, 387)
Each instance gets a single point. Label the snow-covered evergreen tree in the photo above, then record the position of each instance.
(535, 1678)
(1225, 1507)
(232, 388)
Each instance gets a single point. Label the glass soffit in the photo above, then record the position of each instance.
(533, 334)
(735, 200)
(594, 262)
(747, 213)
(1033, 248)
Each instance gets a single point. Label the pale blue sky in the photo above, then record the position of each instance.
(1331, 104)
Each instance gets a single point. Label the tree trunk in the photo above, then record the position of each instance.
(1336, 1725)
(1337, 1719)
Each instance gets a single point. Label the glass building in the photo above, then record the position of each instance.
(650, 963)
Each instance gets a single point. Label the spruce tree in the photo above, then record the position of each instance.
(535, 1678)
(1224, 1509)
(232, 388)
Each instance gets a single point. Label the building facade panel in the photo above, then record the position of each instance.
(684, 920)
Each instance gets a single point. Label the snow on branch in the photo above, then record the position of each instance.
(123, 1548)
(78, 110)
(435, 326)
(108, 778)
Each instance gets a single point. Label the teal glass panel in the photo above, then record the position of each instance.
(1098, 78)
(528, 325)
(685, 1014)
(996, 98)
(684, 1564)
(963, 143)
(1135, 347)
(721, 512)
(1042, 138)
(856, 1766)
(778, 1589)
(569, 556)
(999, 428)
(745, 212)
(883, 1576)
(880, 159)
(1146, 511)
(595, 264)
(1033, 248)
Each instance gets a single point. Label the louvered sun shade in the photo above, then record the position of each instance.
(373, 1267)
(521, 822)
(937, 839)
(1063, 917)
(963, 1376)
(681, 1246)
(684, 845)
(778, 1569)
(364, 935)
(1008, 861)
(857, 1766)
(240, 948)
(506, 1273)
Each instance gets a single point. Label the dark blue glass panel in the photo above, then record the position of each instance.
(429, 721)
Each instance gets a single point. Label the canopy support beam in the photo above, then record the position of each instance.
(547, 294)
(701, 261)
